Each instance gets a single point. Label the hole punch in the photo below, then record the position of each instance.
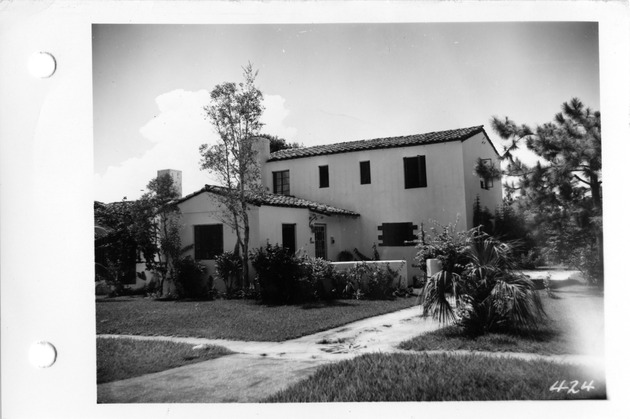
(42, 65)
(42, 354)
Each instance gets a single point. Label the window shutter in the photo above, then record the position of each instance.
(422, 171)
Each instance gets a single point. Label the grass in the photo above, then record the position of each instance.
(574, 326)
(422, 377)
(246, 320)
(118, 359)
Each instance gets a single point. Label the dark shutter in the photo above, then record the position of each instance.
(397, 234)
(422, 171)
(323, 177)
(415, 172)
(366, 177)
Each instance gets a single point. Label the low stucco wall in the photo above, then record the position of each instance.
(399, 266)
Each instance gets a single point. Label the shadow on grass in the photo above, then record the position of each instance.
(323, 304)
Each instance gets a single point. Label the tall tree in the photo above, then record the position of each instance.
(564, 186)
(235, 111)
(156, 230)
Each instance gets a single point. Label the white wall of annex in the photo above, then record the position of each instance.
(476, 147)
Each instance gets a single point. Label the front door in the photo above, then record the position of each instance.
(320, 240)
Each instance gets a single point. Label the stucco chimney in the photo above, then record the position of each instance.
(261, 145)
(176, 175)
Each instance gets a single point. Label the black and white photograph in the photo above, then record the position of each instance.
(348, 212)
(334, 212)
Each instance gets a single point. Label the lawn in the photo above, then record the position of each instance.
(422, 377)
(246, 320)
(119, 358)
(574, 325)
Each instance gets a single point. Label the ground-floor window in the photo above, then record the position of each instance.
(319, 231)
(208, 241)
(397, 234)
(288, 237)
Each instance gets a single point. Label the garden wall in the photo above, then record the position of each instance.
(399, 266)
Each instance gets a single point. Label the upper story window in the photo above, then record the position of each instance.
(397, 234)
(487, 182)
(323, 177)
(208, 241)
(281, 182)
(415, 172)
(364, 169)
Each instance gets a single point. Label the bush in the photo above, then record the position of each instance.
(345, 256)
(190, 279)
(489, 294)
(372, 281)
(278, 274)
(229, 267)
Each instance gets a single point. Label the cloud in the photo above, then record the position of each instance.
(274, 118)
(176, 134)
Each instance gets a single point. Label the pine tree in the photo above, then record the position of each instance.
(564, 187)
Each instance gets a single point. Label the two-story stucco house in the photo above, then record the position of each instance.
(326, 199)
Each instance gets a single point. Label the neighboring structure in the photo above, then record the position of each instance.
(326, 199)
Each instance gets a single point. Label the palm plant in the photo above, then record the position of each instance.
(489, 294)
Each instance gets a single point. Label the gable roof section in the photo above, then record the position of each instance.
(460, 134)
(275, 200)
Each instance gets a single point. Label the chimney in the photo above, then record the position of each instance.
(176, 175)
(261, 145)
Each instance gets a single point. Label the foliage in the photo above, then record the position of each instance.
(155, 227)
(563, 190)
(276, 143)
(235, 111)
(372, 281)
(190, 279)
(362, 257)
(345, 256)
(229, 267)
(278, 274)
(114, 244)
(478, 286)
(445, 243)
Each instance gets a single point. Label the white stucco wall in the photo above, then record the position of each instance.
(385, 200)
(476, 147)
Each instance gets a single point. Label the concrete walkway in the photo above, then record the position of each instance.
(260, 369)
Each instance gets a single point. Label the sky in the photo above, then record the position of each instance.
(323, 83)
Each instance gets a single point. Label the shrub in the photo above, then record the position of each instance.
(489, 294)
(445, 244)
(278, 274)
(229, 267)
(530, 260)
(190, 279)
(372, 281)
(345, 256)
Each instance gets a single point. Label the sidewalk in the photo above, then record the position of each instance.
(260, 369)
